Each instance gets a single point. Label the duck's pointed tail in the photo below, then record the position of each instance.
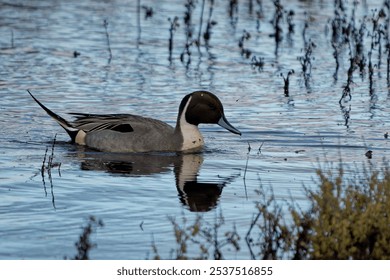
(72, 131)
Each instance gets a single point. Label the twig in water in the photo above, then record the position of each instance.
(148, 11)
(247, 159)
(141, 225)
(174, 25)
(278, 17)
(287, 82)
(148, 14)
(200, 24)
(186, 53)
(336, 57)
(388, 64)
(188, 28)
(246, 167)
(257, 63)
(347, 88)
(138, 22)
(259, 151)
(43, 168)
(377, 32)
(346, 114)
(105, 24)
(12, 39)
(306, 62)
(245, 37)
(233, 12)
(305, 27)
(290, 23)
(259, 14)
(210, 24)
(48, 166)
(291, 27)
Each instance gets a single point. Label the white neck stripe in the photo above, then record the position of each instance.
(192, 138)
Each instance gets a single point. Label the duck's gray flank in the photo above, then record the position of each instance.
(132, 133)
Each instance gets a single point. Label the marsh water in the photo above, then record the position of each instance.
(105, 57)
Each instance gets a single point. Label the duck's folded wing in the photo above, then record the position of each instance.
(92, 122)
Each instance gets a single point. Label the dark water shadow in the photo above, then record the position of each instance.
(195, 195)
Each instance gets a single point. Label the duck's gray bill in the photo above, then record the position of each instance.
(225, 124)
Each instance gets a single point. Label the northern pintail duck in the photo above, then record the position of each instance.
(131, 133)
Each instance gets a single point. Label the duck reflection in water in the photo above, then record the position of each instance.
(195, 196)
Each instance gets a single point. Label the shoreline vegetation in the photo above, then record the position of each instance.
(347, 219)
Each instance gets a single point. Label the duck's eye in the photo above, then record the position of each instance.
(212, 107)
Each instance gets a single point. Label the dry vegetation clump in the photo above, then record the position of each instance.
(345, 219)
